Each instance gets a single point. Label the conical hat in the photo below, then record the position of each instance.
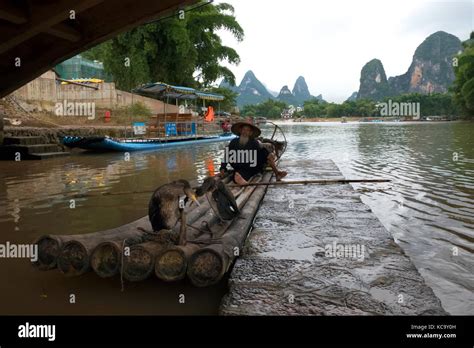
(237, 128)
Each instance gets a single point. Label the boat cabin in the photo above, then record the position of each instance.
(190, 120)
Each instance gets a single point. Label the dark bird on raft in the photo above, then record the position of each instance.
(164, 209)
(221, 198)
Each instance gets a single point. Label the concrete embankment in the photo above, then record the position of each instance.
(52, 135)
(319, 250)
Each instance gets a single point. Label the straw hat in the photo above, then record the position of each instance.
(237, 128)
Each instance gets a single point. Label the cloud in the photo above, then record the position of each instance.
(328, 42)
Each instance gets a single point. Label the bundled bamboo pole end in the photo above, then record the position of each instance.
(73, 259)
(140, 264)
(49, 248)
(106, 259)
(171, 263)
(206, 267)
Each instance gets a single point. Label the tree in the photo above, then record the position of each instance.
(269, 109)
(463, 86)
(177, 51)
(229, 98)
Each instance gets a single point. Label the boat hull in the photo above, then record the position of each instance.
(105, 144)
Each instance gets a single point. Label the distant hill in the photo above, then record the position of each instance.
(286, 96)
(353, 97)
(301, 91)
(431, 70)
(298, 95)
(373, 81)
(250, 90)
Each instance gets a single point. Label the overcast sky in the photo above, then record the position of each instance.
(329, 41)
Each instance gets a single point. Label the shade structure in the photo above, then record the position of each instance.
(164, 90)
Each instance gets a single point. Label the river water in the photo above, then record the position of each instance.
(428, 208)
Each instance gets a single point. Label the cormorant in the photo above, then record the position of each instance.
(223, 201)
(164, 209)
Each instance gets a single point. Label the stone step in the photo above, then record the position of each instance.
(23, 140)
(46, 155)
(18, 152)
(41, 148)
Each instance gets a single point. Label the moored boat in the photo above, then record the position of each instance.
(106, 143)
(183, 126)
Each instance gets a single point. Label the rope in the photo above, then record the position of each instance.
(121, 267)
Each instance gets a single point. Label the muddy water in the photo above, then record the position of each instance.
(428, 208)
(35, 199)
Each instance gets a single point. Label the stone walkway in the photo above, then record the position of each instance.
(318, 250)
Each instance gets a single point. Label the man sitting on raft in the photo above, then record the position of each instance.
(247, 155)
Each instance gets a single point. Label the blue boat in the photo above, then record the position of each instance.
(106, 143)
(174, 132)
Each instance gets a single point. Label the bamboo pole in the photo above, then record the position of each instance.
(318, 182)
(106, 258)
(274, 183)
(49, 246)
(171, 263)
(98, 249)
(208, 265)
(141, 262)
(75, 256)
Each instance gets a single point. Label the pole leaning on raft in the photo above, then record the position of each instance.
(315, 182)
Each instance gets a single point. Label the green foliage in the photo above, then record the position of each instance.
(313, 108)
(229, 98)
(436, 104)
(463, 86)
(359, 107)
(177, 51)
(269, 109)
(137, 109)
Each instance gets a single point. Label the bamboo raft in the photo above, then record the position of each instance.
(136, 254)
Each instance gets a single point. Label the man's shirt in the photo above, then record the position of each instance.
(246, 169)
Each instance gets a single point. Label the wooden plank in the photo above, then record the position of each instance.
(11, 13)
